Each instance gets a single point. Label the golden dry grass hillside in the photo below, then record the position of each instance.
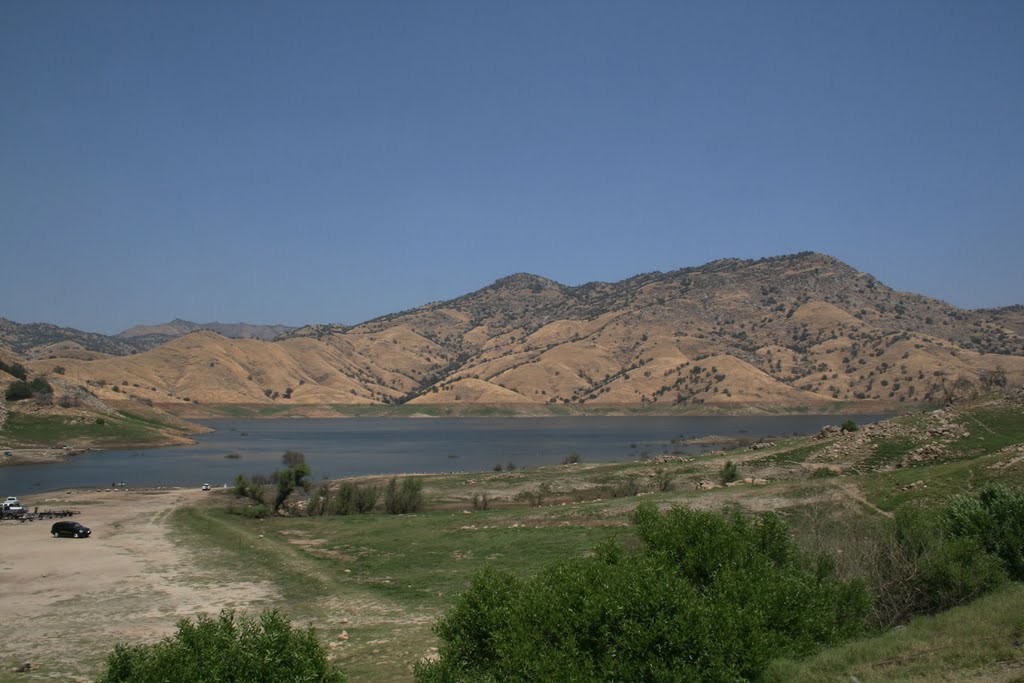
(791, 332)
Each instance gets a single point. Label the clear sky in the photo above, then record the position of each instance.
(298, 162)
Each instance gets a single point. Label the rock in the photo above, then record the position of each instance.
(24, 668)
(343, 635)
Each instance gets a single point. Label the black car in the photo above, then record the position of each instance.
(70, 529)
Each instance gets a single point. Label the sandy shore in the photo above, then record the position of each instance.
(67, 601)
(35, 456)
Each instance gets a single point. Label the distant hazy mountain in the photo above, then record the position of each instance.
(786, 332)
(150, 336)
(37, 340)
(43, 340)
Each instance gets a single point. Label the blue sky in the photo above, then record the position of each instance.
(333, 161)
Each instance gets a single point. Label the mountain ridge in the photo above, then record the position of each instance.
(782, 332)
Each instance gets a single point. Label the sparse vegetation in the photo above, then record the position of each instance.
(729, 472)
(405, 498)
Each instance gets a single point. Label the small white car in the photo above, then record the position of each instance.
(206, 487)
(12, 501)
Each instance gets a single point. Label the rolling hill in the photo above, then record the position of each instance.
(782, 333)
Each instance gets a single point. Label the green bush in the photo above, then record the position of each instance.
(15, 369)
(728, 473)
(291, 479)
(916, 567)
(18, 390)
(663, 479)
(537, 496)
(849, 426)
(995, 519)
(709, 597)
(404, 499)
(226, 650)
(625, 488)
(352, 499)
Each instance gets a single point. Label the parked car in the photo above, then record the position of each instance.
(15, 511)
(12, 501)
(206, 487)
(70, 529)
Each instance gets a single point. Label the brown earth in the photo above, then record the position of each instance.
(796, 332)
(60, 593)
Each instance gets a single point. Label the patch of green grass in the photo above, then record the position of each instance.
(145, 419)
(889, 452)
(49, 430)
(234, 410)
(979, 641)
(403, 571)
(990, 430)
(793, 456)
(890, 490)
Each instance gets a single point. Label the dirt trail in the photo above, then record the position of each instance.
(72, 599)
(854, 492)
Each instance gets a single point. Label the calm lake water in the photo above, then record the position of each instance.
(357, 446)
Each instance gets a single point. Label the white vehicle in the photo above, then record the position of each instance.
(11, 508)
(206, 487)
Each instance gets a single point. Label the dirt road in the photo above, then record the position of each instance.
(67, 601)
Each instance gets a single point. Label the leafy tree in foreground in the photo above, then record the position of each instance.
(709, 597)
(995, 519)
(226, 650)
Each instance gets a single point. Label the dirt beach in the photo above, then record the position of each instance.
(67, 601)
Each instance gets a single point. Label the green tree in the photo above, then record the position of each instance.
(995, 519)
(19, 390)
(708, 597)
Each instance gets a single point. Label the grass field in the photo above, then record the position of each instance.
(120, 429)
(385, 579)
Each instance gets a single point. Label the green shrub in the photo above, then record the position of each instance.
(916, 567)
(15, 369)
(352, 499)
(366, 499)
(318, 500)
(258, 511)
(572, 459)
(224, 650)
(849, 426)
(728, 473)
(995, 519)
(663, 479)
(291, 479)
(404, 499)
(481, 501)
(537, 496)
(18, 390)
(630, 486)
(709, 597)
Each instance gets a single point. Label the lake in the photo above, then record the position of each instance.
(358, 446)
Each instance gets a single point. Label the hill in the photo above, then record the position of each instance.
(804, 331)
(43, 340)
(151, 336)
